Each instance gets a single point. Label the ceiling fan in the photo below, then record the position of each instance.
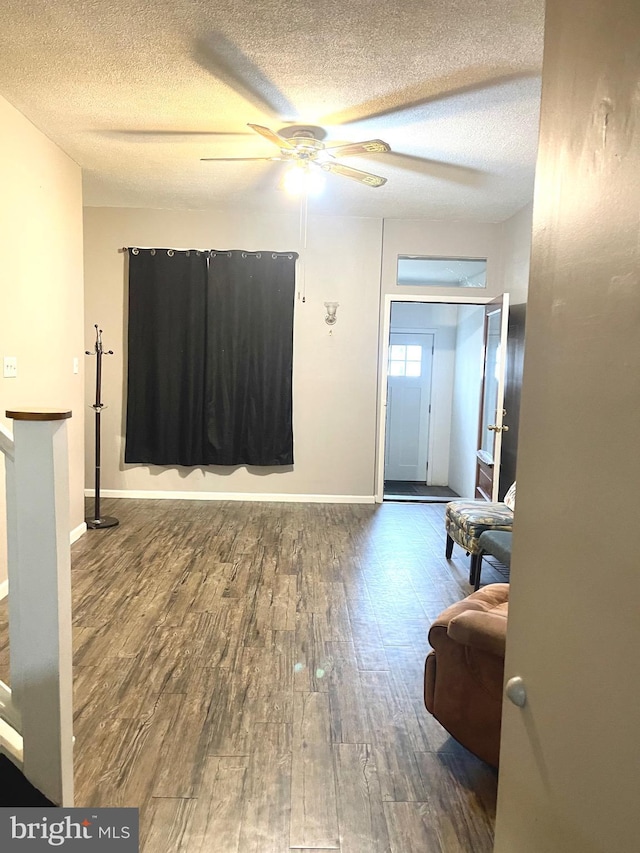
(303, 146)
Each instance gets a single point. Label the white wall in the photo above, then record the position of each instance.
(335, 376)
(440, 319)
(432, 238)
(516, 254)
(41, 288)
(465, 409)
(334, 370)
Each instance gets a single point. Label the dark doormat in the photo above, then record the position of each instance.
(409, 488)
(16, 790)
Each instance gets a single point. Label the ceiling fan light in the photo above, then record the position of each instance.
(315, 181)
(300, 178)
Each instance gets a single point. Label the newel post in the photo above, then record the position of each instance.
(40, 600)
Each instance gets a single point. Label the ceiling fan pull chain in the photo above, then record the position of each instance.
(304, 208)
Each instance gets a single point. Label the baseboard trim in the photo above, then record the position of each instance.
(232, 496)
(4, 589)
(77, 532)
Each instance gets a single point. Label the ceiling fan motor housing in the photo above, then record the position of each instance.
(303, 131)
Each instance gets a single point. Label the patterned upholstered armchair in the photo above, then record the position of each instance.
(466, 520)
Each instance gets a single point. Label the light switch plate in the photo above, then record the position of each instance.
(10, 367)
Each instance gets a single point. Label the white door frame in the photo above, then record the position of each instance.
(383, 358)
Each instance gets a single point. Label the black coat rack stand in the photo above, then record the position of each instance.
(97, 521)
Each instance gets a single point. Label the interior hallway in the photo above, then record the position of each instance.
(250, 676)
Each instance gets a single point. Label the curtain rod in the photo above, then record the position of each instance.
(228, 252)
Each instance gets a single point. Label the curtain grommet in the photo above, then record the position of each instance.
(135, 251)
(170, 252)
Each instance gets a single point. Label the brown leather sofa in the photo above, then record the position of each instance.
(464, 672)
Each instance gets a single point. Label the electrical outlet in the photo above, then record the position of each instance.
(10, 367)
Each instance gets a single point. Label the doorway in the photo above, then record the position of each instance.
(428, 423)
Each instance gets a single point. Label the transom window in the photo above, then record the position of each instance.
(415, 271)
(405, 360)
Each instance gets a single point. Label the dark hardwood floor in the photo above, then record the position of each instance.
(250, 676)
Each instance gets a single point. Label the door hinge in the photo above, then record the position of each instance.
(429, 408)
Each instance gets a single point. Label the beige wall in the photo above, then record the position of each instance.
(334, 374)
(570, 763)
(41, 288)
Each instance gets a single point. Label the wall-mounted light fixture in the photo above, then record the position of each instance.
(330, 317)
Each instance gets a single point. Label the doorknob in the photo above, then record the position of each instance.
(516, 692)
(495, 428)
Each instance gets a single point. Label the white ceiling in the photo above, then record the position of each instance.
(137, 92)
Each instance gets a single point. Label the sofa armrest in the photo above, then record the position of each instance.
(495, 595)
(486, 631)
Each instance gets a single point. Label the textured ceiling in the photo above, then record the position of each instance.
(137, 92)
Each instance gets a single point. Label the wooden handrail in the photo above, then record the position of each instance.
(40, 414)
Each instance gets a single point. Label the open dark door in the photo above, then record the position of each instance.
(492, 413)
(512, 393)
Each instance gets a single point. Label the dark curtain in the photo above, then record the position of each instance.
(166, 372)
(249, 358)
(210, 358)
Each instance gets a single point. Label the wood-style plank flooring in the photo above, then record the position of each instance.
(250, 676)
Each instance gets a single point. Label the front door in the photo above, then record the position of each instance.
(408, 406)
(492, 412)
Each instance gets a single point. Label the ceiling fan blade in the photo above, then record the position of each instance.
(237, 159)
(222, 58)
(272, 136)
(172, 137)
(351, 149)
(432, 91)
(347, 172)
(464, 175)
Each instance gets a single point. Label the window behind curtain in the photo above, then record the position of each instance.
(210, 358)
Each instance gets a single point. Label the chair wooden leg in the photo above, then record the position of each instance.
(449, 547)
(473, 568)
(476, 583)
